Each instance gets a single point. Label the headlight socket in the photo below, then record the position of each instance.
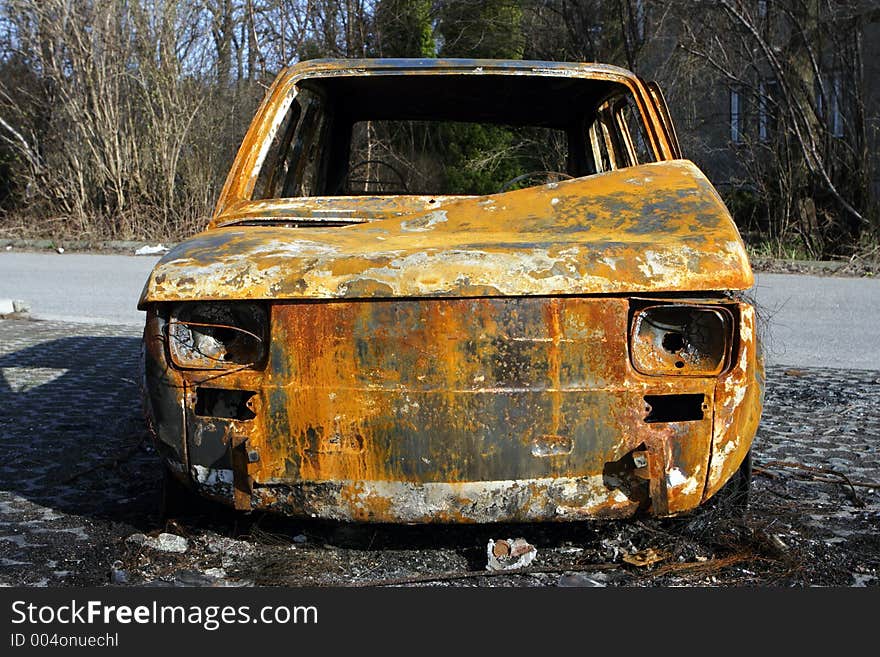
(218, 335)
(681, 339)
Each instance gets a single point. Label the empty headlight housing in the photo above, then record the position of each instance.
(681, 339)
(217, 335)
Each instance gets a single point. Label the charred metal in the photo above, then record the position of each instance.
(575, 349)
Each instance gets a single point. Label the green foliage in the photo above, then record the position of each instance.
(583, 31)
(748, 208)
(313, 49)
(477, 158)
(778, 249)
(425, 31)
(405, 28)
(489, 29)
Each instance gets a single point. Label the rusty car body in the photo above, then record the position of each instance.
(575, 348)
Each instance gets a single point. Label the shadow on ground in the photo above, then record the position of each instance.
(73, 436)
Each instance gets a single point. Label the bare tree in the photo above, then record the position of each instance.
(793, 70)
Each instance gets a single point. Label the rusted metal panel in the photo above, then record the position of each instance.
(163, 392)
(739, 399)
(466, 410)
(657, 227)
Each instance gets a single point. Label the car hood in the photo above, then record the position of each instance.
(657, 227)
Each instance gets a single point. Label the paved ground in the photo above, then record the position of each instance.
(79, 482)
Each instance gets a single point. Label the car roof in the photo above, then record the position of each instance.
(455, 65)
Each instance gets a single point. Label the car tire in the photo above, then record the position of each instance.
(176, 498)
(734, 495)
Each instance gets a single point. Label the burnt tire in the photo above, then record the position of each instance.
(176, 498)
(734, 495)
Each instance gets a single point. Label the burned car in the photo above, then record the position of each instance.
(457, 291)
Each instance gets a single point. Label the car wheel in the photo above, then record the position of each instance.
(734, 495)
(177, 499)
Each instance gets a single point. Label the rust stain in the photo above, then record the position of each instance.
(738, 405)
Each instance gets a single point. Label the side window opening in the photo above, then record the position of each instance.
(627, 147)
(296, 160)
(665, 117)
(617, 136)
(598, 145)
(277, 161)
(634, 129)
(737, 122)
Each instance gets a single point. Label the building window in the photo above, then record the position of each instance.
(736, 116)
(766, 115)
(830, 103)
(762, 9)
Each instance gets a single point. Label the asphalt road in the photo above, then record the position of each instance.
(813, 321)
(817, 321)
(77, 287)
